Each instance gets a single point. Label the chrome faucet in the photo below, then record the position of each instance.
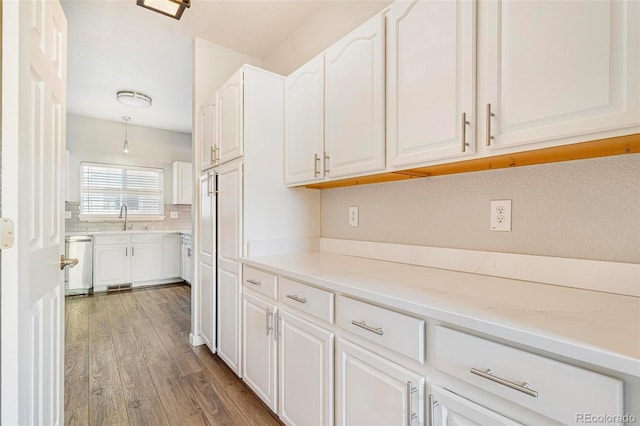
(126, 213)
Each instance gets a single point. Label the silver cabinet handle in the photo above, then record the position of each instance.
(465, 123)
(326, 163)
(254, 282)
(126, 251)
(268, 326)
(432, 410)
(411, 416)
(212, 158)
(296, 298)
(489, 116)
(209, 191)
(216, 157)
(316, 165)
(363, 324)
(278, 328)
(133, 251)
(488, 374)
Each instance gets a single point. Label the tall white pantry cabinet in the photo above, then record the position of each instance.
(244, 205)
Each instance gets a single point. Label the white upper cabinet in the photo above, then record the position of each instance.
(354, 102)
(304, 123)
(430, 81)
(230, 119)
(208, 135)
(560, 69)
(182, 174)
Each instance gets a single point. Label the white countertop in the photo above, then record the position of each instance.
(151, 231)
(598, 328)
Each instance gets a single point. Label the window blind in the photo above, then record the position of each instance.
(105, 187)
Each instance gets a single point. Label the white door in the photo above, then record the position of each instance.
(306, 372)
(34, 37)
(229, 195)
(354, 102)
(145, 261)
(259, 348)
(430, 81)
(448, 409)
(304, 123)
(112, 264)
(207, 259)
(372, 390)
(208, 135)
(171, 256)
(560, 69)
(230, 119)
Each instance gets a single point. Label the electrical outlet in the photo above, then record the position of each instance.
(353, 216)
(173, 215)
(500, 215)
(67, 214)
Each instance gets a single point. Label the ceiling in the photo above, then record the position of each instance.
(115, 45)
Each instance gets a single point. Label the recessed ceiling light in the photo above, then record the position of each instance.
(171, 8)
(133, 99)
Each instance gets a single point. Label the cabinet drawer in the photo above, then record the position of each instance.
(260, 281)
(398, 332)
(100, 240)
(311, 300)
(546, 386)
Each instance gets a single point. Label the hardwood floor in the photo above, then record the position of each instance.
(129, 362)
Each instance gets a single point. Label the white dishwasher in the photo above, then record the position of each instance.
(79, 279)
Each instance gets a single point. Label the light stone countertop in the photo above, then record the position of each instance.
(151, 231)
(597, 328)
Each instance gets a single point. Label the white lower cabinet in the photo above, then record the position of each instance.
(139, 259)
(306, 372)
(228, 314)
(448, 409)
(371, 390)
(259, 348)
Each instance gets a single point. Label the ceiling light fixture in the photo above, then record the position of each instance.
(126, 142)
(133, 99)
(171, 8)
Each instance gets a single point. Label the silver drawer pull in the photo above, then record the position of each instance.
(432, 410)
(522, 387)
(363, 324)
(254, 282)
(411, 416)
(296, 298)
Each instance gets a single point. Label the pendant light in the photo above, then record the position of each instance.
(126, 142)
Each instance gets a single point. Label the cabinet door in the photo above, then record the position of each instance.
(145, 259)
(430, 112)
(449, 409)
(229, 208)
(230, 119)
(259, 348)
(206, 295)
(306, 372)
(372, 390)
(111, 264)
(171, 256)
(182, 183)
(561, 68)
(207, 231)
(208, 134)
(304, 123)
(354, 103)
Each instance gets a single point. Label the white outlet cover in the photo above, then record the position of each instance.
(173, 215)
(501, 215)
(67, 214)
(353, 216)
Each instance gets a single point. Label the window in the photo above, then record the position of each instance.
(105, 187)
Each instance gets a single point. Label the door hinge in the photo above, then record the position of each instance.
(7, 233)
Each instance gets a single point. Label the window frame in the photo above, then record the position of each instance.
(132, 217)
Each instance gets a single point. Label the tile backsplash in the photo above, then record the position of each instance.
(183, 222)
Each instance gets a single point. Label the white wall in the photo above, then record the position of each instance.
(587, 209)
(101, 141)
(329, 24)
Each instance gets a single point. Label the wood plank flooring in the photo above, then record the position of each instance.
(128, 361)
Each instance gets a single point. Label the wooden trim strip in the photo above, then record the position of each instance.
(621, 145)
